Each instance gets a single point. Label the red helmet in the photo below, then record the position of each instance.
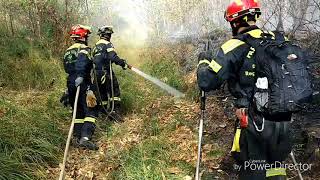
(240, 8)
(80, 31)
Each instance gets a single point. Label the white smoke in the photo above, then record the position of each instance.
(126, 16)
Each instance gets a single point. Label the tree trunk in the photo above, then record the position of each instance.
(11, 24)
(301, 6)
(280, 27)
(66, 10)
(33, 27)
(87, 13)
(5, 23)
(37, 14)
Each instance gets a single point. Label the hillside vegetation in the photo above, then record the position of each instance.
(34, 125)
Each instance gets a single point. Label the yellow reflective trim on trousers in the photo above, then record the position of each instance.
(115, 99)
(204, 62)
(236, 141)
(90, 119)
(231, 45)
(110, 49)
(276, 172)
(104, 103)
(79, 121)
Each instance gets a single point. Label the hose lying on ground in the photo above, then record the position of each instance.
(66, 151)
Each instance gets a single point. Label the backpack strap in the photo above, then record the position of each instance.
(248, 39)
(279, 36)
(260, 41)
(263, 39)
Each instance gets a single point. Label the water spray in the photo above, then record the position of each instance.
(174, 92)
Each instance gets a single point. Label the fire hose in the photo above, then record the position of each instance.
(66, 151)
(98, 90)
(203, 108)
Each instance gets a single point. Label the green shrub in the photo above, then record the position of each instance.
(14, 48)
(33, 72)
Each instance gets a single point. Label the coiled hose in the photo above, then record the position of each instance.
(112, 90)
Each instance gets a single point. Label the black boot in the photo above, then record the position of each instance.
(75, 142)
(87, 144)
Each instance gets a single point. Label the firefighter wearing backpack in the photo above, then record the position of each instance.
(77, 65)
(104, 55)
(255, 63)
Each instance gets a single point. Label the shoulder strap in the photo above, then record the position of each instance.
(251, 41)
(279, 36)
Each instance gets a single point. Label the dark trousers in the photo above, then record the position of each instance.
(105, 89)
(86, 117)
(265, 149)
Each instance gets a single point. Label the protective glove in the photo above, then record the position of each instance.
(91, 99)
(78, 81)
(65, 99)
(124, 65)
(242, 115)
